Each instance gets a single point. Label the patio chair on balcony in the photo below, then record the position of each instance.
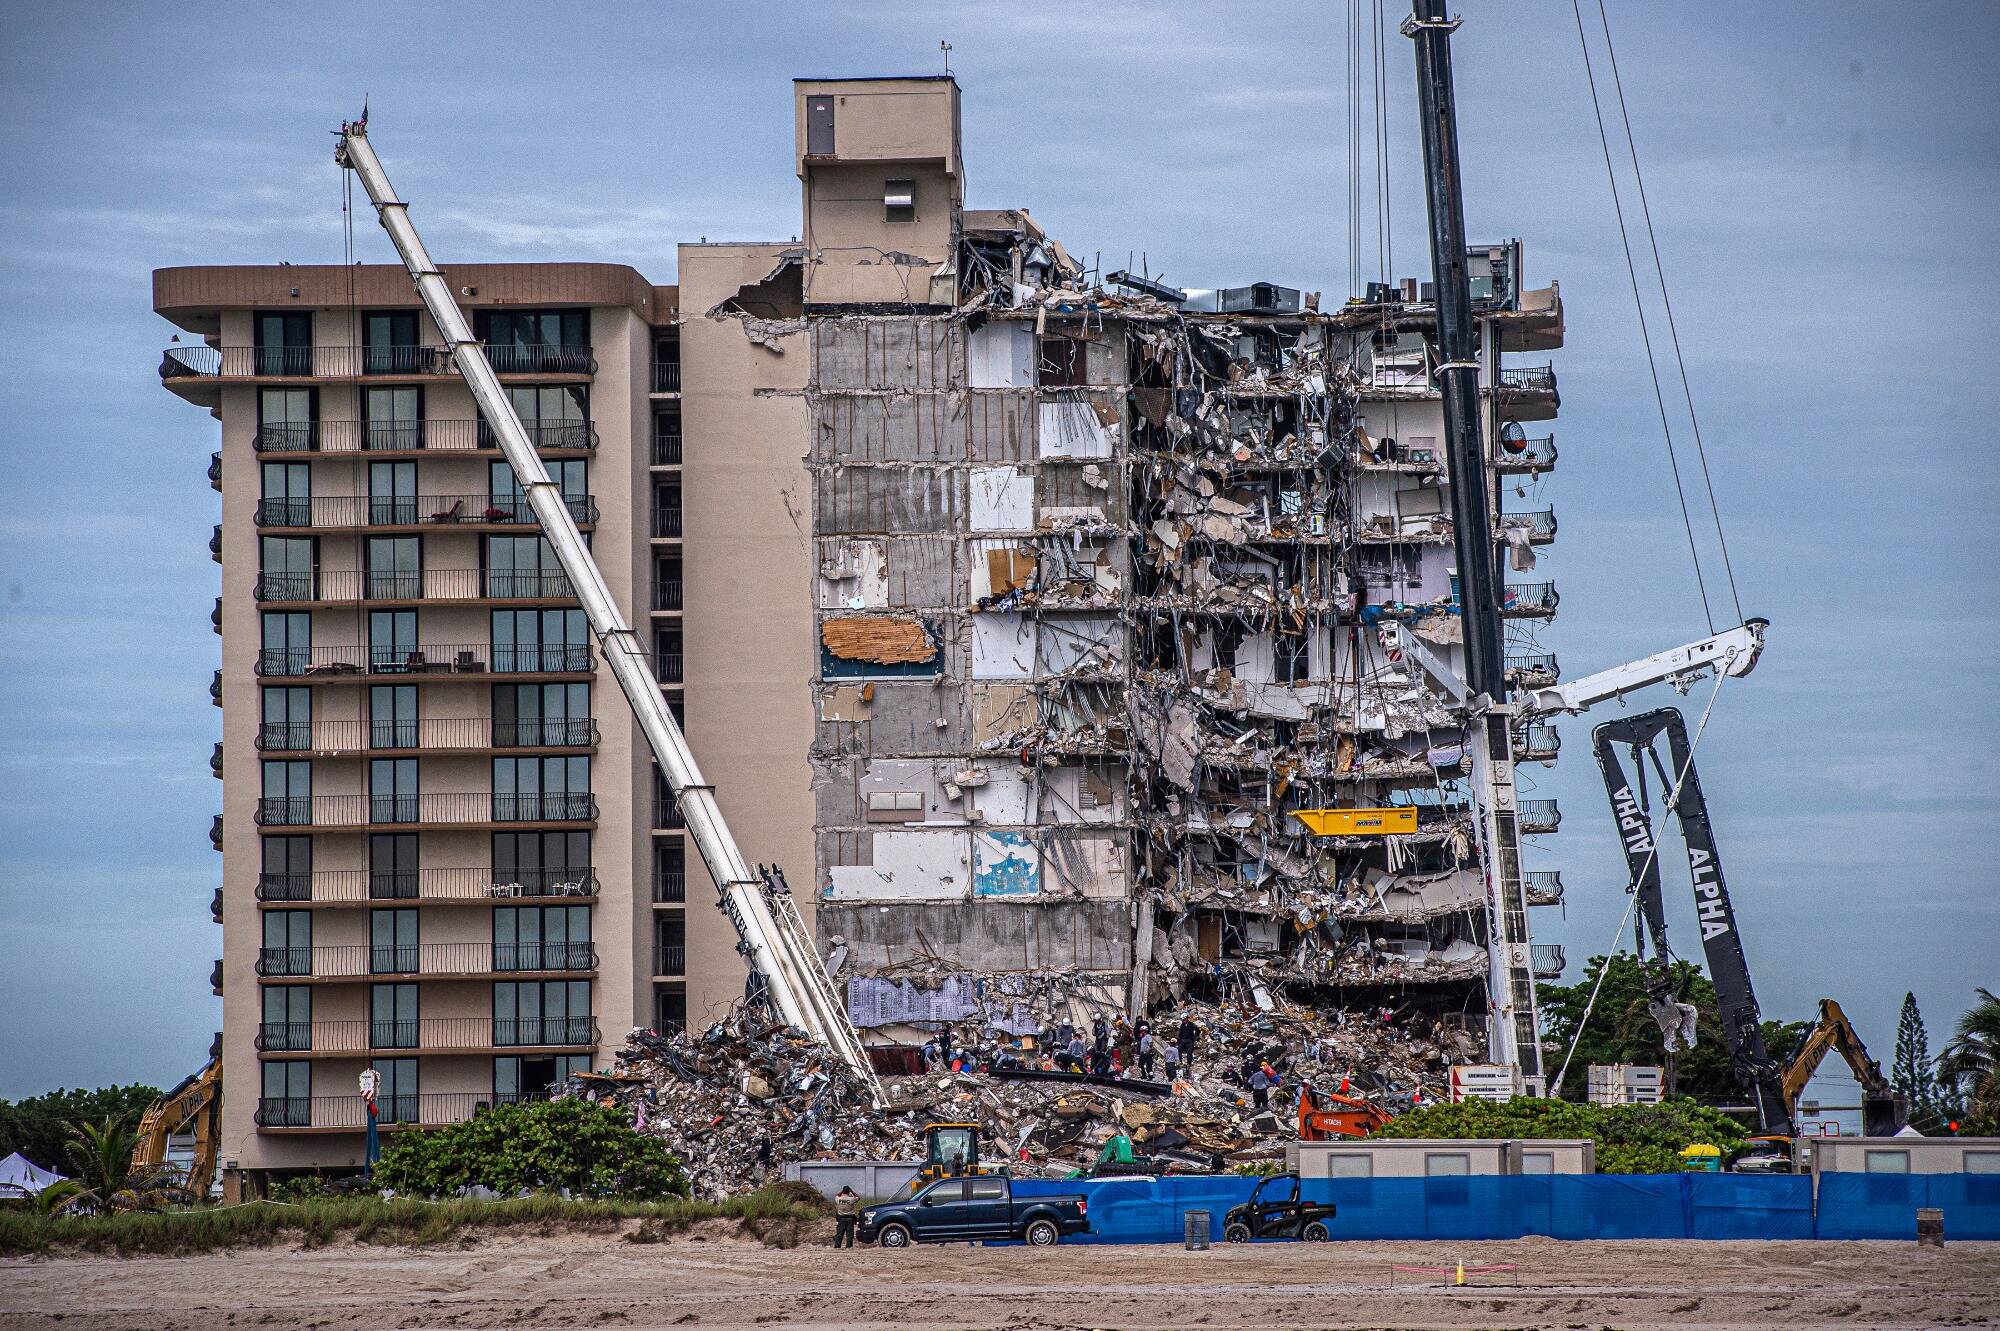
(451, 514)
(468, 664)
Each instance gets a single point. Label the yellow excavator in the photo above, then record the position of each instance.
(196, 1103)
(1883, 1112)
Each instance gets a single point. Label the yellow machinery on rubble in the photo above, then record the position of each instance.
(195, 1104)
(950, 1149)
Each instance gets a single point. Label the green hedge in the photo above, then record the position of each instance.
(566, 1146)
(1631, 1139)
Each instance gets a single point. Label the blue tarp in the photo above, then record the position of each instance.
(1564, 1206)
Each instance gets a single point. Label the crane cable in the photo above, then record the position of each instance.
(1672, 800)
(1638, 301)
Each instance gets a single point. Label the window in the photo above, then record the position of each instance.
(670, 945)
(392, 494)
(667, 508)
(540, 641)
(1062, 362)
(285, 418)
(670, 873)
(1982, 1162)
(396, 1098)
(1290, 658)
(1538, 1162)
(899, 200)
(530, 716)
(507, 502)
(542, 863)
(541, 938)
(392, 790)
(667, 582)
(287, 643)
(518, 1077)
(287, 794)
(536, 341)
(985, 1189)
(392, 716)
(555, 415)
(392, 418)
(670, 1009)
(1886, 1162)
(395, 567)
(287, 943)
(541, 1012)
(392, 866)
(392, 941)
(287, 1019)
(1350, 1166)
(389, 343)
(284, 344)
(286, 497)
(550, 789)
(392, 1016)
(523, 566)
(287, 1098)
(392, 641)
(285, 567)
(287, 720)
(668, 663)
(286, 874)
(1442, 1165)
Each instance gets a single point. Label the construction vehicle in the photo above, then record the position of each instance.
(195, 1104)
(950, 1149)
(1274, 1211)
(1883, 1112)
(772, 936)
(1326, 1115)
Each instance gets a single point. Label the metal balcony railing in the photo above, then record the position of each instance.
(361, 1036)
(546, 1031)
(350, 1112)
(666, 593)
(470, 883)
(1528, 379)
(428, 659)
(1540, 816)
(346, 362)
(442, 436)
(1529, 598)
(1537, 742)
(1541, 524)
(1549, 960)
(215, 544)
(667, 813)
(339, 511)
(215, 761)
(360, 960)
(215, 471)
(1544, 886)
(670, 887)
(431, 732)
(666, 376)
(667, 667)
(666, 523)
(1537, 454)
(431, 584)
(1526, 666)
(667, 447)
(215, 832)
(469, 807)
(670, 959)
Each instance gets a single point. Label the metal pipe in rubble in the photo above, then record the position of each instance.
(782, 961)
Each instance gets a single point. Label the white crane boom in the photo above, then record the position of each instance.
(1733, 652)
(773, 935)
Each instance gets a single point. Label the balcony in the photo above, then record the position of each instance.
(670, 887)
(670, 959)
(349, 1113)
(1540, 525)
(1529, 600)
(353, 585)
(424, 436)
(1531, 669)
(363, 887)
(666, 593)
(215, 832)
(667, 815)
(1537, 742)
(1544, 887)
(361, 961)
(215, 544)
(666, 376)
(367, 663)
(667, 443)
(335, 512)
(1539, 816)
(443, 810)
(215, 471)
(215, 761)
(1526, 456)
(1548, 961)
(431, 733)
(431, 1035)
(1528, 379)
(668, 667)
(349, 362)
(666, 523)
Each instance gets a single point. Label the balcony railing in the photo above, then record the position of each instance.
(666, 447)
(1538, 741)
(1549, 960)
(379, 810)
(362, 1036)
(667, 813)
(346, 362)
(1529, 598)
(670, 959)
(1541, 524)
(431, 732)
(667, 523)
(335, 511)
(1527, 454)
(431, 584)
(429, 659)
(215, 471)
(1544, 886)
(357, 960)
(334, 886)
(1528, 379)
(1531, 667)
(350, 1112)
(666, 593)
(667, 667)
(441, 436)
(666, 376)
(670, 886)
(1540, 816)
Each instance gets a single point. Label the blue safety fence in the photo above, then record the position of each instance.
(1884, 1206)
(1563, 1206)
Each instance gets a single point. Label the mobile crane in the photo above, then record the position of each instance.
(772, 936)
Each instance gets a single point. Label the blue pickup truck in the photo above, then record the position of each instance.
(956, 1210)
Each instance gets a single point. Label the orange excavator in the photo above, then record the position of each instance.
(1325, 1115)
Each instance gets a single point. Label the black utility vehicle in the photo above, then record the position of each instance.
(954, 1210)
(1274, 1211)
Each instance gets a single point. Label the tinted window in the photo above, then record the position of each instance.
(987, 1189)
(951, 1190)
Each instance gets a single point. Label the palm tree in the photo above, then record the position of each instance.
(1972, 1062)
(101, 1155)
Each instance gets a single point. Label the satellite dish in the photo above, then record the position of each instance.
(1513, 438)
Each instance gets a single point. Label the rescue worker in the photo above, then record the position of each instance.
(846, 1209)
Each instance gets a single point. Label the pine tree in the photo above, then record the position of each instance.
(1912, 1073)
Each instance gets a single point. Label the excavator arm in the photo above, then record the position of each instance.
(1883, 1112)
(196, 1101)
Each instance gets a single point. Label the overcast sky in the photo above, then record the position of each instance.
(1823, 180)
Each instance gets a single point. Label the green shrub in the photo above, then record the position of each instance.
(570, 1146)
(1631, 1139)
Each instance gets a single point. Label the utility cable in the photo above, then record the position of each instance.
(1667, 300)
(1638, 302)
(1672, 801)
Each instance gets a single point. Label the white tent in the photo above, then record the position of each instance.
(22, 1177)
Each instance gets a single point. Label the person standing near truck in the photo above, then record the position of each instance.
(846, 1206)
